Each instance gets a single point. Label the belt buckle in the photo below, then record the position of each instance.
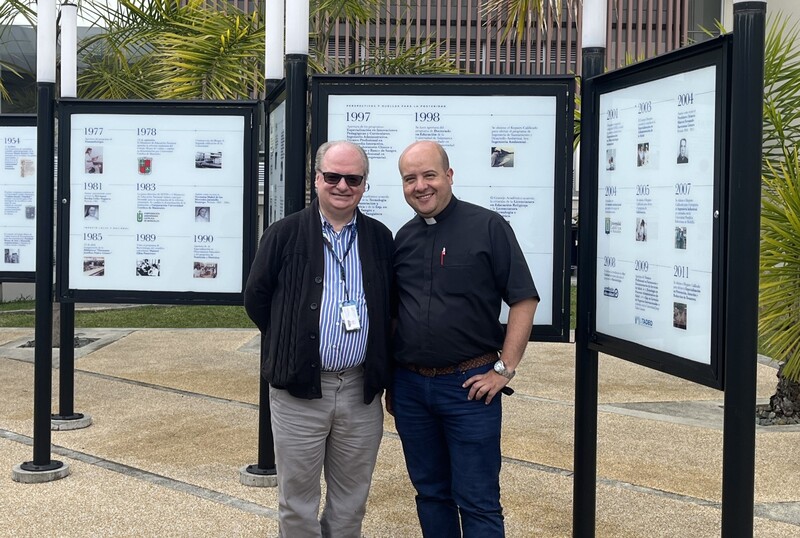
(433, 372)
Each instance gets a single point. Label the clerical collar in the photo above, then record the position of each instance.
(443, 214)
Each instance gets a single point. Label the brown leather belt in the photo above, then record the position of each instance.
(483, 360)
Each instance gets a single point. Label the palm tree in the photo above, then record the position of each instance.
(173, 49)
(779, 297)
(10, 10)
(168, 49)
(517, 13)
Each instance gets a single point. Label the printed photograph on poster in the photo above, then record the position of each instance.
(94, 266)
(148, 267)
(93, 160)
(30, 212)
(11, 255)
(91, 212)
(683, 155)
(611, 157)
(202, 214)
(680, 237)
(641, 230)
(643, 154)
(679, 315)
(27, 167)
(145, 166)
(204, 270)
(502, 157)
(208, 159)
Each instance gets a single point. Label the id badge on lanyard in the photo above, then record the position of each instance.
(349, 313)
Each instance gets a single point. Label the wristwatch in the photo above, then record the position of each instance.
(500, 368)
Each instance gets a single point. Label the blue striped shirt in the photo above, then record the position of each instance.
(339, 349)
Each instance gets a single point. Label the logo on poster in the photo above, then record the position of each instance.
(638, 320)
(611, 292)
(145, 165)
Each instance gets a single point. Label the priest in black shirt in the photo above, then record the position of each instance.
(455, 262)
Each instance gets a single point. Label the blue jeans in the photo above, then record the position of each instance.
(452, 451)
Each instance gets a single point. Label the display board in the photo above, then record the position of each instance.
(509, 143)
(659, 184)
(276, 156)
(157, 201)
(18, 185)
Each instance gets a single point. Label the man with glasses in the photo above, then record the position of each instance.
(319, 290)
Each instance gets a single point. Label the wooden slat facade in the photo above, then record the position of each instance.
(478, 44)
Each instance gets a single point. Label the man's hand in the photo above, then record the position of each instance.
(485, 385)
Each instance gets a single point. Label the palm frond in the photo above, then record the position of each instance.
(779, 287)
(415, 60)
(516, 15)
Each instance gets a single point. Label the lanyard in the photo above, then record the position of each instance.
(341, 262)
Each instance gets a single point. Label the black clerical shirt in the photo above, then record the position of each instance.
(453, 271)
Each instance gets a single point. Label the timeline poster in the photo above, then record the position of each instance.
(655, 217)
(156, 202)
(18, 184)
(502, 152)
(276, 162)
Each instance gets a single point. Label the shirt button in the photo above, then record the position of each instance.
(312, 336)
(313, 306)
(313, 364)
(318, 279)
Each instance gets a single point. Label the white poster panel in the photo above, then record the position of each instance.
(502, 151)
(276, 181)
(655, 217)
(156, 202)
(18, 186)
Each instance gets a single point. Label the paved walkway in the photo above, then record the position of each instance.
(175, 417)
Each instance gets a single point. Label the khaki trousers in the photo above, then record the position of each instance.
(337, 433)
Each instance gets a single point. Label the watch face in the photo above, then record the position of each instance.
(499, 367)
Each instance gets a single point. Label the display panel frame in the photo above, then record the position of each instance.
(487, 89)
(211, 114)
(275, 142)
(670, 356)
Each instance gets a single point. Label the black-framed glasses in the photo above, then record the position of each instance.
(333, 178)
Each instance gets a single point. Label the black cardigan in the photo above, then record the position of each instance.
(284, 291)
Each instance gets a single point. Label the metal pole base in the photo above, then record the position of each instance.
(29, 473)
(251, 475)
(76, 421)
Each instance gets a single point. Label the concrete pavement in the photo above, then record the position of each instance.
(175, 417)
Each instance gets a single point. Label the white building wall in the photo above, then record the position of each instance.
(785, 7)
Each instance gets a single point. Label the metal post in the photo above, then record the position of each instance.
(66, 391)
(43, 354)
(584, 496)
(266, 441)
(296, 131)
(741, 317)
(67, 418)
(586, 368)
(264, 472)
(42, 468)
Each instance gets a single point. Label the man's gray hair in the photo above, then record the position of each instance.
(323, 149)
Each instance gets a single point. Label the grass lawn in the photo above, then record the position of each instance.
(147, 316)
(20, 314)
